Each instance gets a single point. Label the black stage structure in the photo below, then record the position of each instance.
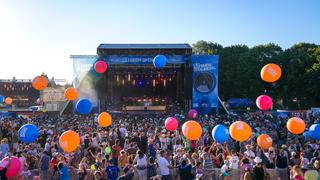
(142, 79)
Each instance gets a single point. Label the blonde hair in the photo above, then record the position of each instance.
(4, 140)
(297, 170)
(316, 164)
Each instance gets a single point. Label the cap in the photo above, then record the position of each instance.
(257, 160)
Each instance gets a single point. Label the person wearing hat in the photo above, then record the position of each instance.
(258, 169)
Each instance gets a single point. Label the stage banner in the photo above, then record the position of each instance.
(84, 78)
(82, 64)
(53, 94)
(205, 83)
(116, 59)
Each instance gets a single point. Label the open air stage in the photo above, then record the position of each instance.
(132, 83)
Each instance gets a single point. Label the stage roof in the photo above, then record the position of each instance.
(144, 46)
(144, 49)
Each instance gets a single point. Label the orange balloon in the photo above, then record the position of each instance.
(71, 94)
(240, 131)
(296, 125)
(8, 100)
(40, 83)
(264, 141)
(69, 141)
(191, 130)
(270, 72)
(104, 119)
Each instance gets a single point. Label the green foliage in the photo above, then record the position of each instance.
(239, 72)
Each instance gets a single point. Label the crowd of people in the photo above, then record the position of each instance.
(139, 147)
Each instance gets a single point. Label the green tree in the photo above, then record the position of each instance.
(259, 56)
(298, 61)
(206, 48)
(233, 71)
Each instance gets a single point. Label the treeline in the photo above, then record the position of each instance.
(239, 72)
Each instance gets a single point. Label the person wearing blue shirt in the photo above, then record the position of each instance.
(4, 146)
(112, 171)
(63, 171)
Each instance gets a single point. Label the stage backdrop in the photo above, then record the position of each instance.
(205, 83)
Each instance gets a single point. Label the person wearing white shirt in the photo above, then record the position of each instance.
(234, 160)
(141, 161)
(224, 169)
(123, 131)
(249, 153)
(164, 165)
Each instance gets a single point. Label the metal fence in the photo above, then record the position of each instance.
(273, 174)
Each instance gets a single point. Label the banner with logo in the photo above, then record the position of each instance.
(116, 59)
(205, 83)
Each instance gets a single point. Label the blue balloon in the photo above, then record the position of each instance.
(1, 99)
(28, 133)
(159, 61)
(307, 134)
(315, 131)
(220, 134)
(84, 106)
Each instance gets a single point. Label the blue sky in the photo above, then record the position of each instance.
(39, 35)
